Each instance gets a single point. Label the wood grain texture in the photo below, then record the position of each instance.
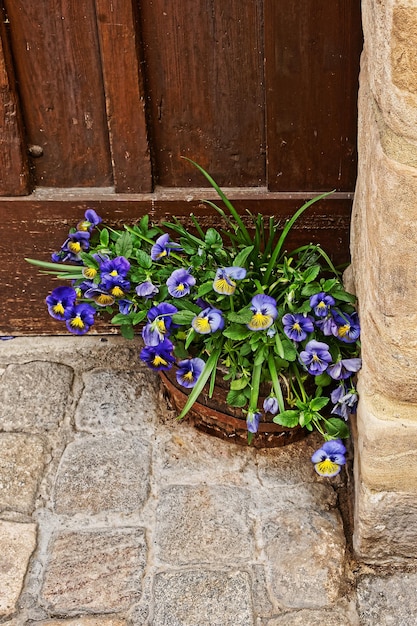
(25, 222)
(14, 170)
(204, 78)
(125, 103)
(57, 62)
(312, 67)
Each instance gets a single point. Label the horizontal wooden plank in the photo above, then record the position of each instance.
(37, 227)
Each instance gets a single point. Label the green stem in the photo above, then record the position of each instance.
(254, 394)
(275, 382)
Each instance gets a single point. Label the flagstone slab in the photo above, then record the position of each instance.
(103, 473)
(17, 542)
(203, 525)
(94, 571)
(388, 600)
(100, 620)
(206, 598)
(22, 459)
(115, 400)
(34, 396)
(305, 552)
(307, 617)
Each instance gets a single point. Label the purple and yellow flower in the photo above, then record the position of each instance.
(72, 247)
(189, 371)
(328, 459)
(346, 327)
(327, 325)
(163, 247)
(208, 321)
(344, 368)
(265, 311)
(321, 303)
(100, 296)
(158, 357)
(297, 326)
(146, 289)
(90, 220)
(79, 318)
(180, 283)
(345, 401)
(224, 281)
(61, 299)
(126, 306)
(316, 357)
(159, 323)
(113, 276)
(271, 405)
(252, 421)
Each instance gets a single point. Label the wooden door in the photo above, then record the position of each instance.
(101, 98)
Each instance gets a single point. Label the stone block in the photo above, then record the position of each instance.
(305, 552)
(385, 525)
(203, 525)
(117, 400)
(388, 600)
(206, 598)
(103, 473)
(94, 571)
(100, 620)
(17, 542)
(22, 459)
(307, 617)
(34, 396)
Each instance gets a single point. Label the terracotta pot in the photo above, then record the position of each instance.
(215, 417)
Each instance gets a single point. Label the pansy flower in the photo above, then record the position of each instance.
(100, 296)
(72, 247)
(345, 401)
(146, 289)
(264, 310)
(90, 220)
(297, 326)
(270, 405)
(346, 327)
(159, 323)
(79, 318)
(328, 459)
(316, 357)
(224, 281)
(321, 303)
(252, 421)
(344, 368)
(163, 247)
(61, 299)
(158, 357)
(180, 283)
(208, 321)
(189, 371)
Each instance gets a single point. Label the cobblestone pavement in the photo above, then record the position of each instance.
(114, 514)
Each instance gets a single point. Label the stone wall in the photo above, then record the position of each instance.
(384, 253)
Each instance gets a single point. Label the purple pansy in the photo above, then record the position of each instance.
(271, 405)
(264, 310)
(344, 368)
(79, 318)
(90, 220)
(321, 303)
(100, 296)
(316, 357)
(158, 357)
(61, 299)
(328, 459)
(345, 401)
(297, 326)
(224, 281)
(189, 371)
(159, 323)
(163, 247)
(252, 421)
(208, 321)
(72, 247)
(146, 289)
(346, 327)
(180, 283)
(126, 306)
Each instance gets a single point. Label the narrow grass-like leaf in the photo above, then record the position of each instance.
(211, 365)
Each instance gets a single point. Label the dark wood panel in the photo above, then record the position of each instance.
(14, 171)
(25, 222)
(56, 56)
(204, 76)
(124, 96)
(312, 67)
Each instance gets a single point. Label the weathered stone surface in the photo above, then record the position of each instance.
(206, 598)
(203, 524)
(386, 601)
(307, 617)
(305, 552)
(17, 542)
(21, 464)
(100, 620)
(98, 570)
(33, 396)
(103, 473)
(385, 525)
(114, 400)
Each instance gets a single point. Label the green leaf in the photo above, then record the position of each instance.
(139, 317)
(205, 288)
(311, 289)
(239, 383)
(183, 318)
(236, 398)
(323, 380)
(127, 331)
(241, 317)
(121, 319)
(318, 403)
(311, 273)
(124, 245)
(56, 267)
(344, 296)
(287, 418)
(213, 238)
(104, 237)
(241, 258)
(337, 428)
(144, 259)
(290, 351)
(237, 332)
(211, 364)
